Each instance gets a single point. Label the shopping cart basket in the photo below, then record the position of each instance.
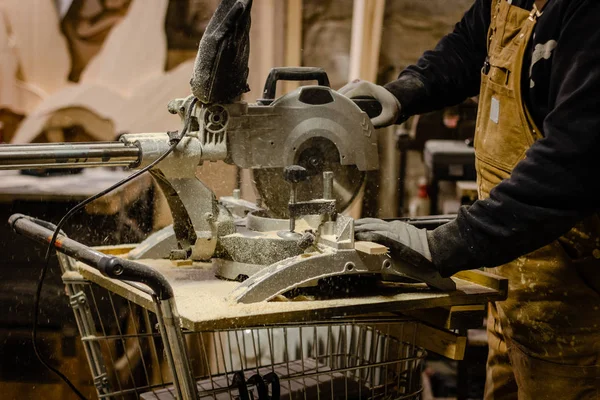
(140, 351)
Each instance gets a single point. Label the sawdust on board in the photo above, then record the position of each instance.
(202, 298)
(262, 248)
(204, 301)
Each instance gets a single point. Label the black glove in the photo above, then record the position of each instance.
(404, 240)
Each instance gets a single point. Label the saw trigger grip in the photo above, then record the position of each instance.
(369, 105)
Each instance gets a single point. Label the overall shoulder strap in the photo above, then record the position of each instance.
(495, 9)
(540, 4)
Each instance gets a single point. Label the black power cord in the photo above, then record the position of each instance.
(36, 302)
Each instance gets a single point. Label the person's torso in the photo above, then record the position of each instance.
(546, 286)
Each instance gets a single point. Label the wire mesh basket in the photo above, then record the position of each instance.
(141, 352)
(329, 360)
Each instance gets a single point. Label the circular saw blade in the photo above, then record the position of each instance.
(318, 155)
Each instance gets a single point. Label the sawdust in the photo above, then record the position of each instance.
(262, 248)
(216, 306)
(203, 300)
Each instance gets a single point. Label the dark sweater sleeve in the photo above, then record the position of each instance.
(450, 73)
(555, 186)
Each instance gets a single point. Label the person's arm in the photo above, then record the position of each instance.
(451, 72)
(556, 185)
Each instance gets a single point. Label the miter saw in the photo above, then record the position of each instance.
(308, 151)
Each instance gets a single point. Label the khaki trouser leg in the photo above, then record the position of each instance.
(512, 374)
(542, 380)
(500, 383)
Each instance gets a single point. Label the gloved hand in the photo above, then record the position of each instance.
(389, 103)
(405, 241)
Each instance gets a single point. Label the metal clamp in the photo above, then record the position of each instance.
(77, 300)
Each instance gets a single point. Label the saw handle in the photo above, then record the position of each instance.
(426, 222)
(292, 74)
(369, 105)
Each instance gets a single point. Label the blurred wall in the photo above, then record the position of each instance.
(410, 27)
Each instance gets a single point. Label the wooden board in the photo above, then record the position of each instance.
(293, 40)
(40, 46)
(447, 344)
(370, 247)
(134, 51)
(453, 317)
(367, 24)
(100, 100)
(484, 278)
(203, 303)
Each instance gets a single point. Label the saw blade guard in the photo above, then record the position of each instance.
(314, 127)
(317, 155)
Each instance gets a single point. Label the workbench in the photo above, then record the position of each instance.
(74, 187)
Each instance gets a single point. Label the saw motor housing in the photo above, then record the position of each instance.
(251, 136)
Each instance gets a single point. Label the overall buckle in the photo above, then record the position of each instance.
(535, 13)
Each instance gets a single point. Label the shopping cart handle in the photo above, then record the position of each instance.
(111, 266)
(120, 268)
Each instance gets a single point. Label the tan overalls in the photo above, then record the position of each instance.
(544, 340)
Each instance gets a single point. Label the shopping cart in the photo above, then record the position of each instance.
(138, 350)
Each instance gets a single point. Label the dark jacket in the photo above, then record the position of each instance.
(555, 186)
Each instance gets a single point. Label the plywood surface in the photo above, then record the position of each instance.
(100, 100)
(35, 29)
(370, 247)
(18, 96)
(203, 303)
(442, 342)
(134, 51)
(8, 68)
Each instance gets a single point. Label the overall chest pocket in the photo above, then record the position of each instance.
(503, 134)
